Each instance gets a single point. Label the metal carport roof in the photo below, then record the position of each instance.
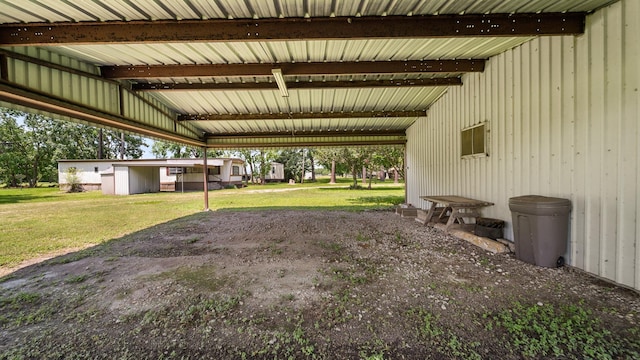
(201, 72)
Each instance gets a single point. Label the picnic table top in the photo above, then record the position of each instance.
(456, 201)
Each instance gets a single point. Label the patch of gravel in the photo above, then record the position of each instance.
(290, 284)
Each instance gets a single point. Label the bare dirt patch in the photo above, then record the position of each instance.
(307, 284)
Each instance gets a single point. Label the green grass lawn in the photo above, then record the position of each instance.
(40, 221)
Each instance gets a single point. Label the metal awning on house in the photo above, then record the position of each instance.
(259, 73)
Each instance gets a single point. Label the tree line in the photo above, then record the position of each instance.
(32, 144)
(345, 161)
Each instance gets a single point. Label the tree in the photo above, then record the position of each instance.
(390, 157)
(73, 179)
(292, 161)
(32, 144)
(12, 166)
(312, 163)
(163, 149)
(249, 159)
(354, 158)
(113, 142)
(39, 143)
(329, 158)
(265, 158)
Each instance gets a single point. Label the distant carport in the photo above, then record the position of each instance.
(140, 176)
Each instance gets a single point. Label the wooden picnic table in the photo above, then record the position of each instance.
(458, 206)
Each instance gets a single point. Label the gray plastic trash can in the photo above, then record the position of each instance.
(540, 229)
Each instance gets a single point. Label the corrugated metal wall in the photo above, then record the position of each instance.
(121, 180)
(143, 179)
(563, 115)
(82, 89)
(80, 83)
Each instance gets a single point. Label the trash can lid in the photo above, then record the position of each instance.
(539, 201)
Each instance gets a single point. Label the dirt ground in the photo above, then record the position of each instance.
(308, 285)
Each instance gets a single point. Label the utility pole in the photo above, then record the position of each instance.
(302, 177)
(206, 180)
(122, 146)
(100, 145)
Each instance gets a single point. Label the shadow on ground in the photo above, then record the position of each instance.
(297, 284)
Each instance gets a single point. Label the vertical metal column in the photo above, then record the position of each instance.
(206, 181)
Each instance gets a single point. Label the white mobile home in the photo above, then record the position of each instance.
(276, 173)
(89, 172)
(126, 177)
(188, 175)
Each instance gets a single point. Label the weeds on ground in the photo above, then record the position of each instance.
(76, 279)
(24, 308)
(202, 309)
(69, 258)
(444, 340)
(568, 331)
(204, 278)
(291, 342)
(339, 309)
(192, 240)
(373, 350)
(332, 246)
(362, 238)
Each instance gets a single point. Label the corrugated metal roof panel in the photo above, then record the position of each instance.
(316, 126)
(105, 10)
(294, 51)
(302, 100)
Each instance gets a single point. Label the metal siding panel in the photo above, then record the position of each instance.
(574, 107)
(556, 179)
(136, 180)
(596, 73)
(568, 148)
(58, 83)
(611, 135)
(628, 75)
(496, 127)
(544, 92)
(630, 150)
(121, 180)
(580, 209)
(508, 134)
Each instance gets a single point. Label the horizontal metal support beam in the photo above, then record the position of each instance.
(302, 142)
(306, 134)
(426, 26)
(44, 102)
(318, 115)
(294, 69)
(446, 81)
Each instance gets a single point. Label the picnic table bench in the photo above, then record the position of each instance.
(458, 208)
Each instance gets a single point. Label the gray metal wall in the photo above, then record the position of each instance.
(78, 82)
(563, 119)
(121, 180)
(144, 179)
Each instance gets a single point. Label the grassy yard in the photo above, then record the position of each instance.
(41, 221)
